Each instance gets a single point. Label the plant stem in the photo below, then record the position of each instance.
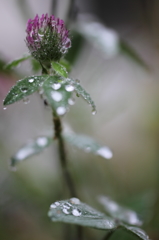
(109, 234)
(62, 154)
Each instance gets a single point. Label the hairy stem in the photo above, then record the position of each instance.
(62, 155)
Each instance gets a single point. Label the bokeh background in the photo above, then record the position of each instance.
(116, 57)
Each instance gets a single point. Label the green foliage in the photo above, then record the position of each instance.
(34, 146)
(88, 145)
(75, 212)
(56, 94)
(16, 62)
(59, 69)
(121, 213)
(23, 88)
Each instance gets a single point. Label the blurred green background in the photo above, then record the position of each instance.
(118, 64)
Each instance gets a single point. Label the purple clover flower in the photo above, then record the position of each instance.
(47, 38)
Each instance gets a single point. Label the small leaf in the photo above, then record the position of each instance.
(88, 145)
(33, 147)
(59, 69)
(137, 232)
(66, 64)
(23, 88)
(81, 92)
(56, 94)
(75, 212)
(16, 62)
(119, 212)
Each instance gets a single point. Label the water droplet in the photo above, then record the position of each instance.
(24, 153)
(69, 88)
(56, 86)
(61, 110)
(26, 100)
(75, 201)
(71, 101)
(94, 112)
(87, 149)
(42, 141)
(53, 205)
(57, 96)
(65, 206)
(65, 211)
(4, 108)
(76, 212)
(57, 203)
(31, 80)
(105, 152)
(24, 89)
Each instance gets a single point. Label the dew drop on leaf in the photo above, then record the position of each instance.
(31, 80)
(69, 88)
(42, 141)
(53, 206)
(105, 152)
(56, 86)
(94, 112)
(71, 101)
(57, 96)
(76, 212)
(61, 110)
(65, 211)
(75, 201)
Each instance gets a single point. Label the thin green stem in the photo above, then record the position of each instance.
(62, 154)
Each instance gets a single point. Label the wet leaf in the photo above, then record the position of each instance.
(137, 232)
(23, 88)
(81, 92)
(56, 94)
(59, 69)
(88, 145)
(121, 213)
(75, 212)
(16, 62)
(65, 64)
(31, 148)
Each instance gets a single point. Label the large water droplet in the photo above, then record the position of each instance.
(75, 201)
(31, 80)
(57, 203)
(56, 86)
(42, 141)
(94, 112)
(69, 88)
(71, 101)
(76, 212)
(65, 211)
(105, 152)
(61, 110)
(24, 153)
(24, 89)
(53, 205)
(57, 96)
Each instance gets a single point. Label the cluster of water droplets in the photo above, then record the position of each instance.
(68, 208)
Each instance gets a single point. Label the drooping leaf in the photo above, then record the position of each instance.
(126, 49)
(59, 69)
(35, 65)
(23, 88)
(81, 92)
(33, 147)
(57, 94)
(16, 62)
(137, 232)
(121, 213)
(88, 145)
(75, 212)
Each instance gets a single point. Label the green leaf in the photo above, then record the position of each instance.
(66, 64)
(137, 232)
(35, 65)
(81, 92)
(88, 145)
(33, 147)
(23, 88)
(56, 94)
(121, 213)
(126, 49)
(59, 69)
(16, 62)
(75, 212)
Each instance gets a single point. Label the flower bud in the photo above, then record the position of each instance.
(47, 38)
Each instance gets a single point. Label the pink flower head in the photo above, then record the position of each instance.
(47, 38)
